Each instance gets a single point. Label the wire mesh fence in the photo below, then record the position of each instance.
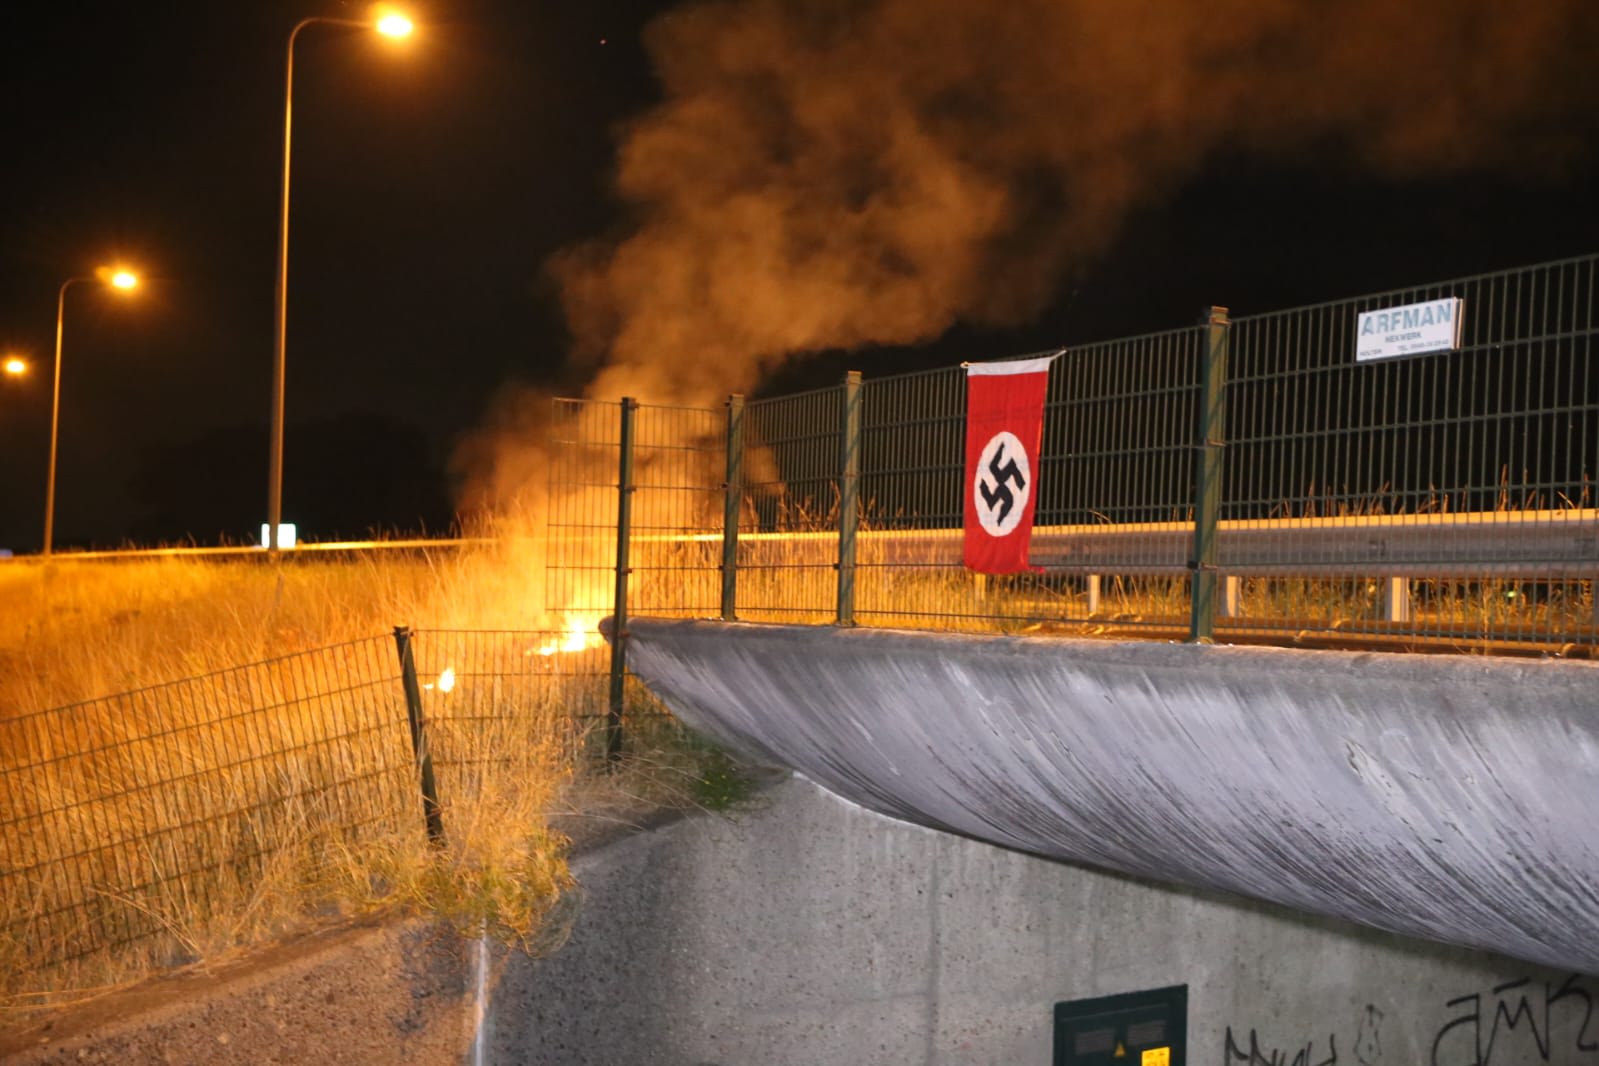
(1255, 478)
(1114, 477)
(144, 824)
(122, 814)
(1443, 496)
(581, 512)
(787, 509)
(679, 456)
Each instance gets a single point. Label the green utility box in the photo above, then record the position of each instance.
(1131, 1029)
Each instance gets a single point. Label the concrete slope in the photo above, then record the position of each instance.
(1447, 798)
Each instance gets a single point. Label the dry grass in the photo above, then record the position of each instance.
(74, 631)
(234, 805)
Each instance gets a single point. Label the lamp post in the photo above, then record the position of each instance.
(14, 366)
(390, 25)
(120, 280)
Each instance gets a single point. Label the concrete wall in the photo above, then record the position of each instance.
(808, 930)
(1449, 797)
(813, 931)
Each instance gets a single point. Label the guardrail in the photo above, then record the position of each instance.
(1525, 546)
(249, 551)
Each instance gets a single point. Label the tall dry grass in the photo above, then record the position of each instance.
(260, 777)
(71, 631)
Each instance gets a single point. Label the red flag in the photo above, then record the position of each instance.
(1004, 426)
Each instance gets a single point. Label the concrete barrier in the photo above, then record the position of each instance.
(1447, 798)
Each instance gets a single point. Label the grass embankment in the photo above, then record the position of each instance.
(241, 805)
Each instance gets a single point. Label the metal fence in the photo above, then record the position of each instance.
(138, 824)
(1445, 496)
(1241, 479)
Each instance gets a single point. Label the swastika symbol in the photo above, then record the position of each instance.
(1002, 484)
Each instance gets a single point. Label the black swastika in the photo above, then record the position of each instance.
(1001, 493)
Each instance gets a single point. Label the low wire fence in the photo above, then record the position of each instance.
(149, 824)
(1246, 478)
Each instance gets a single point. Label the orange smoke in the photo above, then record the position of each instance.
(832, 174)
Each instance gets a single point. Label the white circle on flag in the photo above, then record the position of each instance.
(1002, 484)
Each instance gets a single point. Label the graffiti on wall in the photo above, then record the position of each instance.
(1368, 1040)
(1255, 1050)
(1321, 1051)
(1520, 1021)
(1516, 1019)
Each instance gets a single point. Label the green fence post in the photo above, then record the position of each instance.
(624, 531)
(419, 737)
(1207, 475)
(848, 495)
(733, 496)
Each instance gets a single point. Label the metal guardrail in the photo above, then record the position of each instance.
(1527, 545)
(250, 551)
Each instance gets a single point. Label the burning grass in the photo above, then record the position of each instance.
(212, 806)
(73, 631)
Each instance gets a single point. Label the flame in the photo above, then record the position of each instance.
(581, 634)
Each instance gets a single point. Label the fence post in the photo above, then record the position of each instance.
(848, 495)
(734, 494)
(1207, 476)
(624, 531)
(419, 737)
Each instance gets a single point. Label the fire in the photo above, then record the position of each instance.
(581, 634)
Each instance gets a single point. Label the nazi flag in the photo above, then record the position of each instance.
(1004, 426)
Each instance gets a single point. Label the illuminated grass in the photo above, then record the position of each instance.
(178, 824)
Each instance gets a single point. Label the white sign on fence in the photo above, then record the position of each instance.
(1433, 326)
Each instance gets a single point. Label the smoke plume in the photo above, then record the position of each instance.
(831, 174)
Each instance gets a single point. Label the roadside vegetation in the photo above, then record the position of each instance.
(195, 758)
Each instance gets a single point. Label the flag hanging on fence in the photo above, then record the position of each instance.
(1004, 427)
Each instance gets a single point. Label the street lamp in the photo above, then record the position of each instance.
(14, 366)
(390, 24)
(122, 281)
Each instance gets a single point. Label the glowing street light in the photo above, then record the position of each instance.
(389, 24)
(14, 366)
(116, 278)
(394, 24)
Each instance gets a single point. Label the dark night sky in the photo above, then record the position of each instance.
(432, 180)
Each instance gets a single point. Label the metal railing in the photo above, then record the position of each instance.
(1462, 478)
(253, 552)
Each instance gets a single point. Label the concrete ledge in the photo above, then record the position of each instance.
(1446, 798)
